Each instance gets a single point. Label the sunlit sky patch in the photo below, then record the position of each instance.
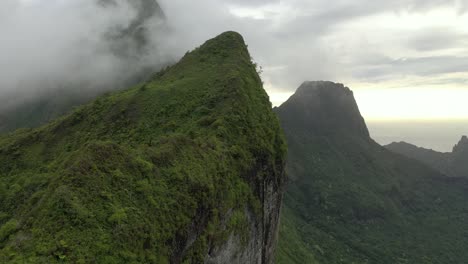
(405, 63)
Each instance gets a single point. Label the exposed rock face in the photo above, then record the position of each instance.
(263, 233)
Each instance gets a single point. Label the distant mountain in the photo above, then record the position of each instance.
(350, 200)
(185, 168)
(324, 108)
(452, 164)
(130, 44)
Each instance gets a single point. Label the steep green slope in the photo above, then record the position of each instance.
(185, 168)
(452, 164)
(350, 200)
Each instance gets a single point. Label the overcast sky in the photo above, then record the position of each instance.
(403, 58)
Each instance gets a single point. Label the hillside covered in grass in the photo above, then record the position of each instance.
(350, 200)
(185, 168)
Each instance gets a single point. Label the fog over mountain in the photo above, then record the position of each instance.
(393, 51)
(293, 40)
(86, 46)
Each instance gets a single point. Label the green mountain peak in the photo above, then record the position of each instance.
(185, 168)
(325, 108)
(352, 201)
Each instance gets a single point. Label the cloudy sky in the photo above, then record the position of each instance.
(405, 59)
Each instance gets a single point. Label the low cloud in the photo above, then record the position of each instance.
(53, 43)
(90, 46)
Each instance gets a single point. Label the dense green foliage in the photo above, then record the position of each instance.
(452, 164)
(146, 175)
(352, 201)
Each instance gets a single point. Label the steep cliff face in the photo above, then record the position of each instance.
(350, 200)
(185, 168)
(452, 164)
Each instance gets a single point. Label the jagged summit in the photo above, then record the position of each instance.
(325, 108)
(462, 145)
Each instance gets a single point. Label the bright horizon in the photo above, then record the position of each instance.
(403, 62)
(405, 104)
(431, 118)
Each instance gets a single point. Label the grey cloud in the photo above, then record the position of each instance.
(321, 15)
(437, 39)
(292, 46)
(253, 2)
(431, 65)
(388, 68)
(91, 45)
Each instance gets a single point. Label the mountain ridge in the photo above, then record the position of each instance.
(452, 164)
(187, 167)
